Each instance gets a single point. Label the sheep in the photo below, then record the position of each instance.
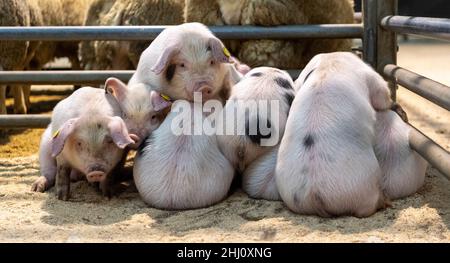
(76, 11)
(34, 55)
(122, 54)
(275, 53)
(15, 55)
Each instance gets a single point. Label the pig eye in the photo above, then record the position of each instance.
(154, 117)
(212, 63)
(182, 65)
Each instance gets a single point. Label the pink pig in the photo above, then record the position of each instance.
(326, 163)
(403, 169)
(185, 59)
(175, 170)
(86, 135)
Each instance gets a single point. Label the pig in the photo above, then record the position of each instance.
(403, 169)
(175, 170)
(86, 135)
(140, 108)
(185, 59)
(326, 163)
(258, 180)
(263, 85)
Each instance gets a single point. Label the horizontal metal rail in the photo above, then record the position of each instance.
(76, 33)
(427, 88)
(437, 156)
(24, 121)
(66, 77)
(423, 26)
(73, 77)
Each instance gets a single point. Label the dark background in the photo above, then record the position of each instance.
(427, 8)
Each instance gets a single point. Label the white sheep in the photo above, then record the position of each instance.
(292, 54)
(22, 55)
(125, 54)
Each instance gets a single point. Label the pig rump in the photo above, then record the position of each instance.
(326, 164)
(403, 169)
(181, 171)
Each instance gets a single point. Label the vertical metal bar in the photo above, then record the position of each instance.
(379, 45)
(386, 41)
(369, 16)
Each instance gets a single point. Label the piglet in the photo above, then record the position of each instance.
(178, 170)
(142, 108)
(86, 135)
(185, 59)
(326, 164)
(255, 115)
(258, 180)
(403, 169)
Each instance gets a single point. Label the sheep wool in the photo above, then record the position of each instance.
(124, 54)
(275, 53)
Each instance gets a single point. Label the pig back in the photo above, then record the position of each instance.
(181, 171)
(86, 101)
(326, 153)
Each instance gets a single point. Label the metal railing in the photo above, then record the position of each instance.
(422, 26)
(127, 33)
(378, 32)
(73, 77)
(380, 50)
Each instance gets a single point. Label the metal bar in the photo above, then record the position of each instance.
(73, 77)
(386, 41)
(437, 156)
(423, 26)
(370, 32)
(69, 77)
(425, 87)
(76, 33)
(24, 121)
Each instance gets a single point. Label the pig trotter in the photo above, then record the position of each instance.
(63, 182)
(40, 185)
(107, 187)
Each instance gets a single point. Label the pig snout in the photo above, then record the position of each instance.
(204, 87)
(137, 140)
(96, 173)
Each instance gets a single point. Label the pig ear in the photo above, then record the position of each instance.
(159, 103)
(243, 68)
(164, 59)
(240, 67)
(116, 88)
(60, 136)
(119, 132)
(219, 52)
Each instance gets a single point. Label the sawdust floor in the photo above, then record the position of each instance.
(40, 217)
